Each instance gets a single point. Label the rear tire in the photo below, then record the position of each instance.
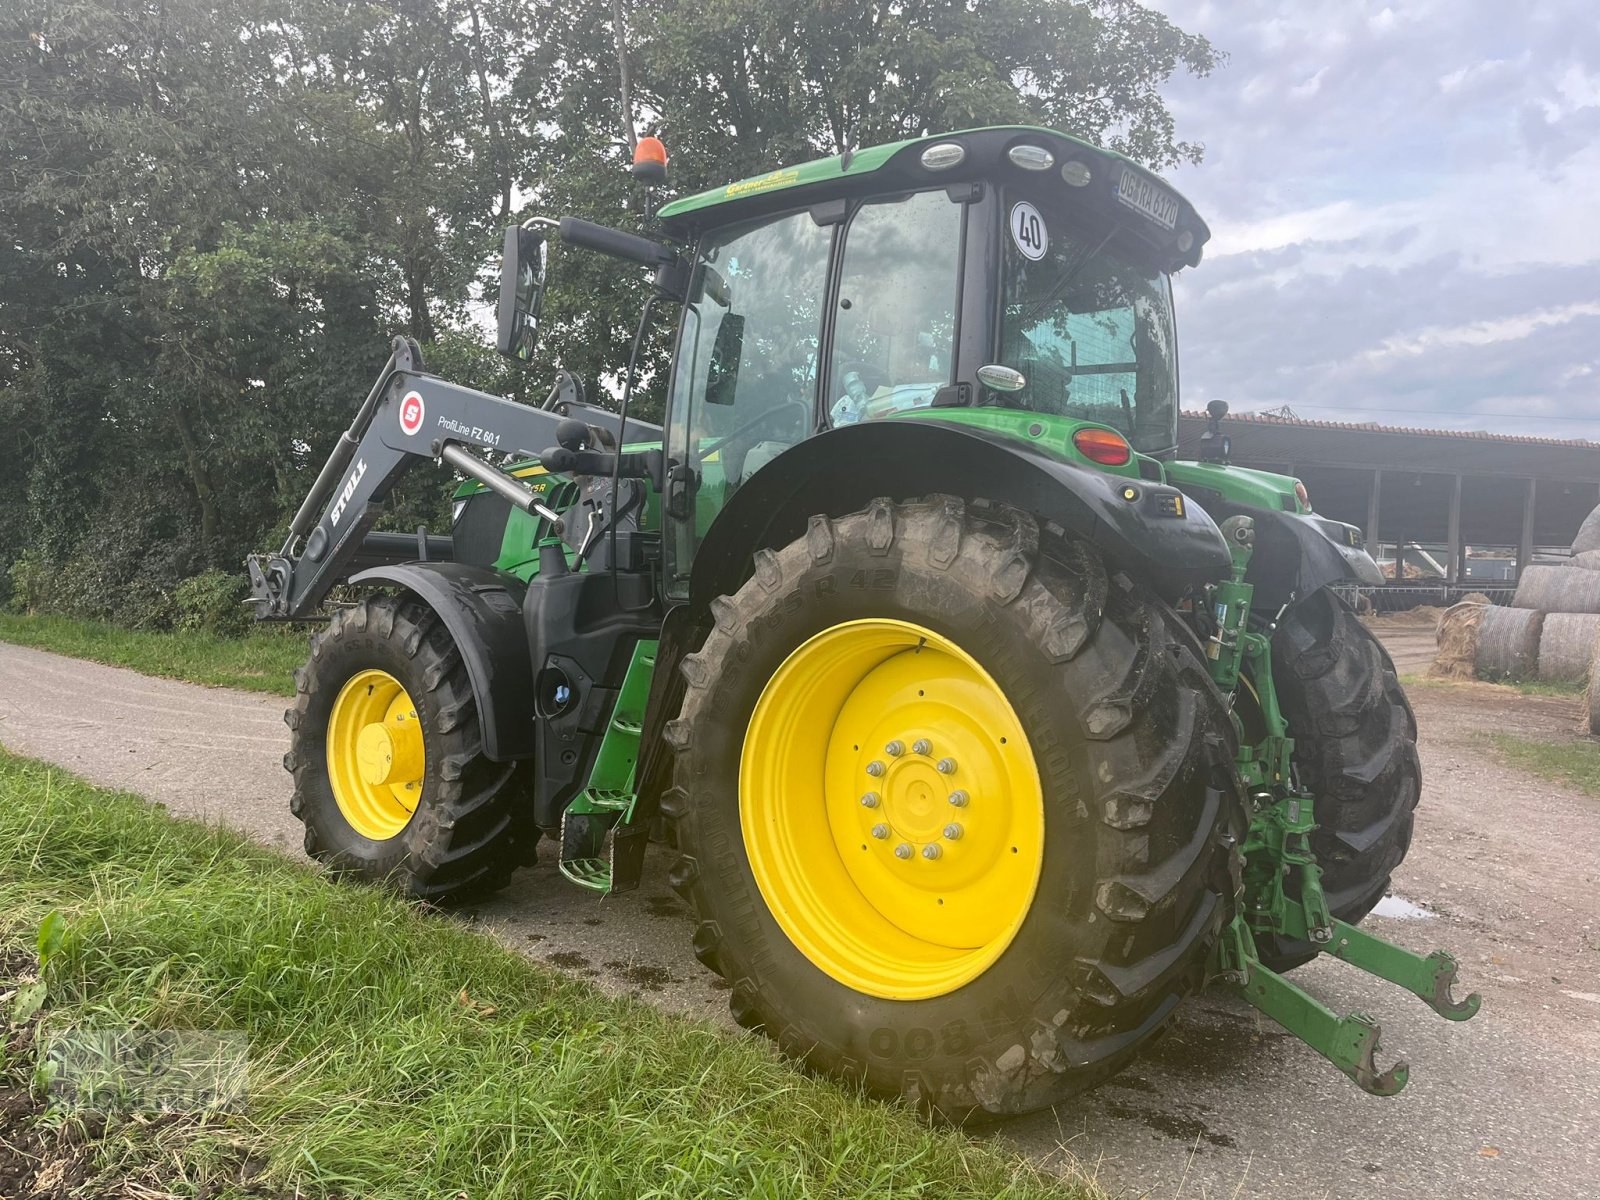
(1356, 752)
(1133, 752)
(468, 829)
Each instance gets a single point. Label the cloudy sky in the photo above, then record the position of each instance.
(1405, 211)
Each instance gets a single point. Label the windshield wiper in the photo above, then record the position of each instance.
(1067, 277)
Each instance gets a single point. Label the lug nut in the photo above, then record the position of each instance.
(946, 766)
(895, 748)
(959, 798)
(903, 850)
(931, 851)
(880, 832)
(952, 831)
(922, 746)
(874, 768)
(870, 800)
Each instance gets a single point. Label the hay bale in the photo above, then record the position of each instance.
(1589, 560)
(1558, 589)
(1508, 642)
(1458, 641)
(1566, 647)
(1588, 534)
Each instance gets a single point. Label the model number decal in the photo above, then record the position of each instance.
(349, 490)
(484, 437)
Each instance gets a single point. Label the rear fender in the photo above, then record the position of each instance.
(843, 470)
(482, 609)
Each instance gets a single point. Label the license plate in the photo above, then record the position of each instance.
(1154, 201)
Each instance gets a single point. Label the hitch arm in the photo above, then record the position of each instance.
(1430, 979)
(1349, 1043)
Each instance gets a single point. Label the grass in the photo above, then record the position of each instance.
(396, 1053)
(262, 661)
(1576, 764)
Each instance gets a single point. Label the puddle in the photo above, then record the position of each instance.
(1402, 909)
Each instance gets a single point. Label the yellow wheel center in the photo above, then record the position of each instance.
(376, 755)
(891, 809)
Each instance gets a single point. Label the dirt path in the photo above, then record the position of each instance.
(1227, 1105)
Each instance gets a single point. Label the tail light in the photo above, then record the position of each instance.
(1104, 446)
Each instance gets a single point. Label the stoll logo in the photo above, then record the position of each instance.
(349, 490)
(411, 413)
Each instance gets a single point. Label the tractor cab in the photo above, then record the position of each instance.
(1013, 280)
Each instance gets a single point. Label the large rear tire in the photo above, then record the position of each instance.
(992, 954)
(1356, 752)
(387, 757)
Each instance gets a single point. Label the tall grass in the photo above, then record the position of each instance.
(262, 661)
(399, 1054)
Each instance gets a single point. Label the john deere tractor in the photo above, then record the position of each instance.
(984, 728)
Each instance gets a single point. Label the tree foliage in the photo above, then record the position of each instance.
(213, 216)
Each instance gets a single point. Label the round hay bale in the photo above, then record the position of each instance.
(1589, 560)
(1558, 589)
(1588, 534)
(1566, 647)
(1458, 641)
(1508, 642)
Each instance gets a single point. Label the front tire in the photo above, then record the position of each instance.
(387, 757)
(1056, 931)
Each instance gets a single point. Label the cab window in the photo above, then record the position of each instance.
(895, 326)
(745, 383)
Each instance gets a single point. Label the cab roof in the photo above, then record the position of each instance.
(898, 166)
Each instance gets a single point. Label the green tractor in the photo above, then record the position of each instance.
(984, 729)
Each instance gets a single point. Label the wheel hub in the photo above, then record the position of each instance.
(376, 754)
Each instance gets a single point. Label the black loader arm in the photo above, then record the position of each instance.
(407, 418)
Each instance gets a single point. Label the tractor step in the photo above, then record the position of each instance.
(601, 852)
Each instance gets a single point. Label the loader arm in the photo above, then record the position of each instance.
(407, 418)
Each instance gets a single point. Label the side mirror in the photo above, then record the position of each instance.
(522, 278)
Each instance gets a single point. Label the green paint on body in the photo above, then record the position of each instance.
(1237, 485)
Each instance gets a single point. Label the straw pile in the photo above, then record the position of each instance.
(1457, 657)
(1559, 589)
(1566, 647)
(1589, 560)
(1508, 642)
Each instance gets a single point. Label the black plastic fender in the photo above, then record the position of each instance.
(1169, 547)
(482, 609)
(1298, 553)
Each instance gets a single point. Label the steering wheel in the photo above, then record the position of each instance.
(799, 409)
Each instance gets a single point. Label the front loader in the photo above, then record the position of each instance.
(985, 729)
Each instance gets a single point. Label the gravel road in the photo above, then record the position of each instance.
(1505, 872)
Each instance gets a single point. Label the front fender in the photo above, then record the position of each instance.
(482, 609)
(1297, 554)
(843, 470)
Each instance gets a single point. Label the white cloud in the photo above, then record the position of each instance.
(1480, 333)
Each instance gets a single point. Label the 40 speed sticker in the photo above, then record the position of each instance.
(1028, 231)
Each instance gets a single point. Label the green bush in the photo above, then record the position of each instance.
(26, 585)
(212, 602)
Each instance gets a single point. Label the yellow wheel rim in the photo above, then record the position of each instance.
(891, 809)
(375, 754)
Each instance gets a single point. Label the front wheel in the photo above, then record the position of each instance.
(387, 757)
(956, 813)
